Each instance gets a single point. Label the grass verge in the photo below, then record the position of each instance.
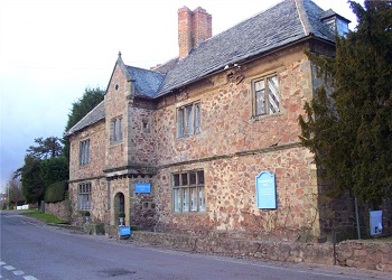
(46, 218)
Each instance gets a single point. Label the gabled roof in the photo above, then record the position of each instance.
(331, 13)
(285, 23)
(95, 115)
(145, 82)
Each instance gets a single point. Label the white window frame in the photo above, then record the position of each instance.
(188, 192)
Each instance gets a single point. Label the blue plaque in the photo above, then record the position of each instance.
(266, 190)
(143, 188)
(124, 231)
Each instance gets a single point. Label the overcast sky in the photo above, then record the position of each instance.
(51, 51)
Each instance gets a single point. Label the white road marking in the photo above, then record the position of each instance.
(18, 272)
(29, 277)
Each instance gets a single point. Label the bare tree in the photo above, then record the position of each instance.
(14, 191)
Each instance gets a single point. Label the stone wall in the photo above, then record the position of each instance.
(116, 106)
(140, 209)
(142, 150)
(227, 122)
(99, 201)
(366, 255)
(231, 203)
(359, 254)
(61, 209)
(94, 168)
(143, 206)
(117, 187)
(234, 146)
(92, 172)
(321, 253)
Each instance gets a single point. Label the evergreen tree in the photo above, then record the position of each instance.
(44, 165)
(90, 99)
(54, 170)
(32, 184)
(47, 148)
(350, 130)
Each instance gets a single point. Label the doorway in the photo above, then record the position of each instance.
(119, 206)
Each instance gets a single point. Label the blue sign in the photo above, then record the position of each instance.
(143, 188)
(266, 190)
(124, 231)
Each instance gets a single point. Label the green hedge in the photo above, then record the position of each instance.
(56, 192)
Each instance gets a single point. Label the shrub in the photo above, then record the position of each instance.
(56, 192)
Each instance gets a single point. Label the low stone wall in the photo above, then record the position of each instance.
(366, 255)
(61, 209)
(358, 254)
(321, 253)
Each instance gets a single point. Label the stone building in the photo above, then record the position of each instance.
(208, 142)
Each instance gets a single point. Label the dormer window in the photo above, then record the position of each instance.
(341, 27)
(335, 22)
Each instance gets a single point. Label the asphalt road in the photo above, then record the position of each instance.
(31, 250)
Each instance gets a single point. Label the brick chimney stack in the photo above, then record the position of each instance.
(193, 28)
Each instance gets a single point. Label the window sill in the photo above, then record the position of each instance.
(187, 136)
(189, 213)
(116, 143)
(265, 116)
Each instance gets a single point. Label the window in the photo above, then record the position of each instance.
(84, 196)
(84, 152)
(341, 27)
(146, 126)
(116, 130)
(338, 25)
(266, 96)
(188, 120)
(188, 192)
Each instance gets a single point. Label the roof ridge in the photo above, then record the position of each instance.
(302, 17)
(246, 19)
(143, 69)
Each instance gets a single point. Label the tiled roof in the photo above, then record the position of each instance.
(94, 116)
(285, 23)
(146, 83)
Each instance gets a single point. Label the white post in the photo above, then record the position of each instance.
(357, 218)
(8, 199)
